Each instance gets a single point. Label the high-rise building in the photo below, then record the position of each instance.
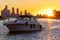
(25, 12)
(17, 12)
(21, 13)
(13, 12)
(5, 12)
(56, 13)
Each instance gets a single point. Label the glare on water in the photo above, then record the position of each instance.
(50, 24)
(52, 30)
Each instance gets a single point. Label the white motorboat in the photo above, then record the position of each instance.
(24, 23)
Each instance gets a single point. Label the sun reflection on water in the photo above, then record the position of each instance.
(50, 24)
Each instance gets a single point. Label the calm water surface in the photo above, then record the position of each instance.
(50, 31)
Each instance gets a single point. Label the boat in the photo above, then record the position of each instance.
(24, 23)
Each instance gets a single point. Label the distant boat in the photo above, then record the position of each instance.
(24, 23)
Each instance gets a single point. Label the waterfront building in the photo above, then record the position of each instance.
(25, 12)
(13, 12)
(5, 12)
(17, 12)
(56, 13)
(20, 13)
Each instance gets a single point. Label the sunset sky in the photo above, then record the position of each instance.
(32, 6)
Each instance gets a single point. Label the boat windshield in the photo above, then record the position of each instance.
(27, 18)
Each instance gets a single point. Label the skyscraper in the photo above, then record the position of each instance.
(56, 13)
(5, 12)
(17, 12)
(13, 12)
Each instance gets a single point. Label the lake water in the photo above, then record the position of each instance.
(50, 31)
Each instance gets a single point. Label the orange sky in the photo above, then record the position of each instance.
(32, 6)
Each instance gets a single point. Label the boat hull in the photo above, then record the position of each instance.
(23, 27)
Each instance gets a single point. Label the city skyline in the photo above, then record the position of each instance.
(6, 12)
(33, 6)
(17, 11)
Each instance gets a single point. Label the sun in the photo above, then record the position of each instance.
(46, 11)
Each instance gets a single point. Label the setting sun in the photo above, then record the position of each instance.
(46, 11)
